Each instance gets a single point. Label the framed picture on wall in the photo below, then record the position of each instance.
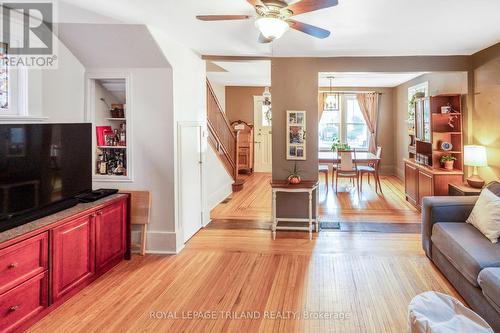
(296, 135)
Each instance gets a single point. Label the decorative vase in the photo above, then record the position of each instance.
(294, 179)
(448, 165)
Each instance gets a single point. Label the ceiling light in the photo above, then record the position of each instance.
(271, 28)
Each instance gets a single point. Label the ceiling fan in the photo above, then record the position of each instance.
(274, 17)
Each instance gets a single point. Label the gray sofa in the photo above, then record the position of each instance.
(464, 255)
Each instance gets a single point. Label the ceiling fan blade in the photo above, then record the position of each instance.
(309, 29)
(256, 3)
(222, 17)
(264, 40)
(305, 6)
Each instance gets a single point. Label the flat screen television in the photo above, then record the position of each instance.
(42, 168)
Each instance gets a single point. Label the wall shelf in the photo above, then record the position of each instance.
(116, 119)
(112, 147)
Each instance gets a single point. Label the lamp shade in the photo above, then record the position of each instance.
(475, 156)
(272, 28)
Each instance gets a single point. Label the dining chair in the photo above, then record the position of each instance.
(346, 168)
(372, 169)
(324, 169)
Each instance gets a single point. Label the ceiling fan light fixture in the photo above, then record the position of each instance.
(272, 28)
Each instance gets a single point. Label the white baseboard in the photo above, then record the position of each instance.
(162, 242)
(218, 196)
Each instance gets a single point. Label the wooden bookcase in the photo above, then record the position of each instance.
(424, 174)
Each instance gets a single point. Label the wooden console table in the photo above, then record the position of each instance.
(304, 187)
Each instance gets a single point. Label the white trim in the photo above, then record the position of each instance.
(24, 119)
(90, 78)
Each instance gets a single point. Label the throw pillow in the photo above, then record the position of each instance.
(485, 215)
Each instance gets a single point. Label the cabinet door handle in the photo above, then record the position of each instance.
(13, 308)
(13, 265)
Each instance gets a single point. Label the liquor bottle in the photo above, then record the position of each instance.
(122, 141)
(103, 165)
(117, 137)
(98, 163)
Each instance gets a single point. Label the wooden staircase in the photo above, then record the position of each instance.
(222, 137)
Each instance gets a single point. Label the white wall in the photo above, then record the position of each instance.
(220, 93)
(219, 182)
(189, 101)
(151, 116)
(439, 83)
(62, 89)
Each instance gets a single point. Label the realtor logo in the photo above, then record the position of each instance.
(27, 27)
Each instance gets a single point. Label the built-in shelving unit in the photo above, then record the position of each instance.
(111, 128)
(438, 120)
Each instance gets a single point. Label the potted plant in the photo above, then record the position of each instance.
(294, 177)
(448, 161)
(338, 145)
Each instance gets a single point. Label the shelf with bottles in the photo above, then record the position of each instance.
(112, 147)
(111, 162)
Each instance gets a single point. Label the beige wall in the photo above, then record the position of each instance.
(486, 113)
(439, 83)
(239, 102)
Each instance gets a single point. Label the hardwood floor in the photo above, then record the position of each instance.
(230, 278)
(254, 202)
(348, 282)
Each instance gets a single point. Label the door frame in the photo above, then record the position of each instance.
(202, 127)
(258, 99)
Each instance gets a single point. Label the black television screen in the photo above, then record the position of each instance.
(40, 165)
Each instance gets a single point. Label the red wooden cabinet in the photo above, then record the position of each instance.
(80, 249)
(110, 236)
(22, 261)
(23, 303)
(73, 255)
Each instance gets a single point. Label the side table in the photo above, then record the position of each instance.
(306, 187)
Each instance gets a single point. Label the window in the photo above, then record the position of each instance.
(348, 124)
(356, 133)
(4, 81)
(266, 115)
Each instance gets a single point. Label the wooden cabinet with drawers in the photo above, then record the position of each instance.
(422, 181)
(81, 248)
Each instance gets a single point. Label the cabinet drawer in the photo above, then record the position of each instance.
(19, 305)
(22, 261)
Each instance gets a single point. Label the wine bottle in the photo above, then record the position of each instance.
(103, 165)
(122, 135)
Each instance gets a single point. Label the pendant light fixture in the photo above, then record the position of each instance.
(332, 100)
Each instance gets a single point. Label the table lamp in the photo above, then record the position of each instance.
(475, 156)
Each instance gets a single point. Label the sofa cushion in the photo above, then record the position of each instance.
(466, 248)
(494, 187)
(486, 215)
(489, 281)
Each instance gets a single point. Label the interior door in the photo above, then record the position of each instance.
(262, 137)
(190, 178)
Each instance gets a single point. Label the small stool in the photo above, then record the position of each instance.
(434, 312)
(140, 212)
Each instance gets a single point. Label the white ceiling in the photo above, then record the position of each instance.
(359, 27)
(366, 79)
(242, 73)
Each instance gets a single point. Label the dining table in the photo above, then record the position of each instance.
(326, 157)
